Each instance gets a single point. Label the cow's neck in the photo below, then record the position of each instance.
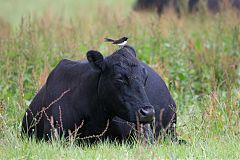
(101, 105)
(99, 111)
(98, 121)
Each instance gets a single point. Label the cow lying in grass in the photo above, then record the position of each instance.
(99, 97)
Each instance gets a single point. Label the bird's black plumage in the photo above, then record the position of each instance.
(118, 41)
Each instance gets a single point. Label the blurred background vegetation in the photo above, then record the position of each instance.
(198, 56)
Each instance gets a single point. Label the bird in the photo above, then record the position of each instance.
(120, 42)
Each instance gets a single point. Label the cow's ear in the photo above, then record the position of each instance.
(96, 59)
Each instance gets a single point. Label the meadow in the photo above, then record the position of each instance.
(198, 57)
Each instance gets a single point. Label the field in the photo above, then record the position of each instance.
(198, 56)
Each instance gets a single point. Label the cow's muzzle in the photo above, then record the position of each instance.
(146, 114)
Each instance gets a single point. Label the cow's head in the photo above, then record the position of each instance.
(121, 85)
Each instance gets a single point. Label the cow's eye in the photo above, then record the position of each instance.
(120, 79)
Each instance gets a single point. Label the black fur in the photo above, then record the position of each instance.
(96, 91)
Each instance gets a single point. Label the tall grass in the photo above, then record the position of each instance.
(198, 57)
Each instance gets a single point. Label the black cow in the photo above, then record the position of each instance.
(236, 4)
(213, 6)
(145, 4)
(192, 5)
(82, 97)
(160, 5)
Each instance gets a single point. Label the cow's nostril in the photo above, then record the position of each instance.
(146, 114)
(148, 110)
(143, 112)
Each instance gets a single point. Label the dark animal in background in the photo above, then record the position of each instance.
(192, 5)
(145, 4)
(159, 5)
(90, 93)
(236, 4)
(213, 6)
(162, 4)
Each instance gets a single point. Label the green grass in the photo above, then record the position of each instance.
(209, 149)
(198, 57)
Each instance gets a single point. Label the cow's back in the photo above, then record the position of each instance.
(67, 77)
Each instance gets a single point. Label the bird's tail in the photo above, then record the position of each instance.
(108, 40)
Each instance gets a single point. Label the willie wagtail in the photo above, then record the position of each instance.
(120, 42)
